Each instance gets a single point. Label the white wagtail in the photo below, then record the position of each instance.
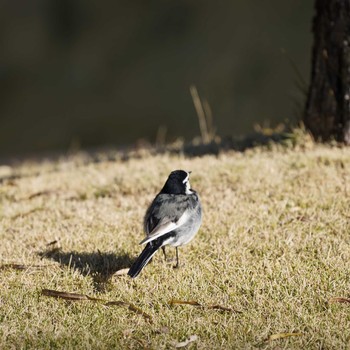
(173, 218)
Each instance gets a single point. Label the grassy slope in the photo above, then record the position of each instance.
(274, 244)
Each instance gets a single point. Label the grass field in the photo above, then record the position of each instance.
(274, 249)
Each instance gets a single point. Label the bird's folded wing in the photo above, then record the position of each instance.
(165, 226)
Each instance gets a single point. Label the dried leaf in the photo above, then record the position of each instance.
(131, 307)
(84, 297)
(11, 183)
(116, 302)
(195, 303)
(40, 193)
(223, 308)
(184, 302)
(55, 242)
(283, 335)
(14, 217)
(67, 296)
(139, 311)
(21, 266)
(184, 343)
(339, 300)
(122, 272)
(13, 266)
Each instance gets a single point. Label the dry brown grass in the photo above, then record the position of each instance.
(274, 245)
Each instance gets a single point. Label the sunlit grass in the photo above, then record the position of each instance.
(274, 246)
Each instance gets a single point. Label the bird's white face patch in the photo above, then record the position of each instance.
(186, 181)
(186, 178)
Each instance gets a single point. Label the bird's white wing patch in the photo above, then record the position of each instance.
(162, 229)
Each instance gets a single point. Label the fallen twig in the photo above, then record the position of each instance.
(22, 266)
(339, 300)
(283, 335)
(84, 297)
(196, 303)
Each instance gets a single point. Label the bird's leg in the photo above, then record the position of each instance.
(177, 259)
(164, 253)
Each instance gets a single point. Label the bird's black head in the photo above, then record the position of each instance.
(177, 183)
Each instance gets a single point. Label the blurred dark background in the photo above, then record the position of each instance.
(88, 73)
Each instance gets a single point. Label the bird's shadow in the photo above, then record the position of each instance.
(101, 266)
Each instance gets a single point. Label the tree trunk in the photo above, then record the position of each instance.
(327, 111)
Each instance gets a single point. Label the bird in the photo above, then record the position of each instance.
(173, 218)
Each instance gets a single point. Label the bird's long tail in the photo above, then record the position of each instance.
(144, 258)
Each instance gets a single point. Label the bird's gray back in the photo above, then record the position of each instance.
(170, 206)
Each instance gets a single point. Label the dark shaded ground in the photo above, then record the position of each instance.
(101, 266)
(137, 150)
